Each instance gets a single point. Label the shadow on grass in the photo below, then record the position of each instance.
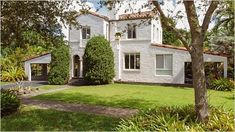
(114, 101)
(51, 120)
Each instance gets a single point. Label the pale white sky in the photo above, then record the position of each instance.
(169, 5)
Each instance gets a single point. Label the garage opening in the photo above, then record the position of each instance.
(39, 72)
(213, 70)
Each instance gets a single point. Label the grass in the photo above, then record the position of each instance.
(136, 96)
(35, 119)
(48, 87)
(4, 83)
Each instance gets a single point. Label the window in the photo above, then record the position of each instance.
(131, 31)
(164, 64)
(107, 31)
(86, 32)
(132, 61)
(154, 32)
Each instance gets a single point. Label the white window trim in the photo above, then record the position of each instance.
(123, 62)
(86, 27)
(164, 65)
(133, 25)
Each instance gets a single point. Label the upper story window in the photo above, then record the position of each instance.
(132, 61)
(86, 32)
(164, 64)
(131, 31)
(107, 31)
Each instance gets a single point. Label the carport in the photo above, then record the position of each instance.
(37, 68)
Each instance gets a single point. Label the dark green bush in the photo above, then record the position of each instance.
(59, 72)
(9, 102)
(222, 84)
(98, 61)
(178, 119)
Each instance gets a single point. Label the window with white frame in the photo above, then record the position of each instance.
(164, 64)
(132, 61)
(86, 32)
(131, 31)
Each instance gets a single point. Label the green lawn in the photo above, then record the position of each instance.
(34, 119)
(48, 87)
(136, 96)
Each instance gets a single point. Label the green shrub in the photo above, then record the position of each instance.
(59, 72)
(177, 119)
(222, 84)
(13, 74)
(9, 102)
(98, 61)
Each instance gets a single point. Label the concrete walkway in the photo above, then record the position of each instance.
(25, 84)
(90, 109)
(62, 106)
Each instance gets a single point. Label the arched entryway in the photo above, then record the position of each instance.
(77, 66)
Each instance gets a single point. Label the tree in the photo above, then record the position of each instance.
(195, 48)
(98, 61)
(43, 17)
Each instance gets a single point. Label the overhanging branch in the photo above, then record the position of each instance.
(208, 15)
(165, 22)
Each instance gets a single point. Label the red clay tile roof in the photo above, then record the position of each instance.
(95, 14)
(139, 15)
(131, 16)
(30, 58)
(184, 49)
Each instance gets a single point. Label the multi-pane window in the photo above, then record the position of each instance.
(164, 64)
(86, 32)
(132, 61)
(131, 31)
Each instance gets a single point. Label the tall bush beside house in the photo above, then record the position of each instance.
(98, 61)
(59, 72)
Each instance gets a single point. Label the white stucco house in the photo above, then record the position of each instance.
(139, 54)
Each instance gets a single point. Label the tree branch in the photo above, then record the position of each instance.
(164, 21)
(192, 18)
(208, 15)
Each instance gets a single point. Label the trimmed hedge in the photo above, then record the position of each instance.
(10, 103)
(98, 61)
(59, 72)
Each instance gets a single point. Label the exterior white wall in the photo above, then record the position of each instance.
(143, 32)
(147, 71)
(46, 59)
(142, 45)
(157, 36)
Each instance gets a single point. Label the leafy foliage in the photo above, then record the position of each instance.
(222, 84)
(44, 17)
(9, 102)
(178, 119)
(13, 74)
(98, 61)
(59, 72)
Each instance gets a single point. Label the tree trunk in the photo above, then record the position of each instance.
(199, 81)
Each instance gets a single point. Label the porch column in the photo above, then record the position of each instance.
(81, 68)
(29, 72)
(225, 68)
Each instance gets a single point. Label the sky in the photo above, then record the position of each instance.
(170, 8)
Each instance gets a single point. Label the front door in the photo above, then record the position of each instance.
(76, 66)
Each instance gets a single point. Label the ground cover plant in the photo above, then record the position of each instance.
(137, 96)
(175, 118)
(10, 103)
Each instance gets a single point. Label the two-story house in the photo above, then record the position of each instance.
(139, 53)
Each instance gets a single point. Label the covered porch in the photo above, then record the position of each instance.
(37, 68)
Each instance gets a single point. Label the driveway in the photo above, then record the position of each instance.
(25, 84)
